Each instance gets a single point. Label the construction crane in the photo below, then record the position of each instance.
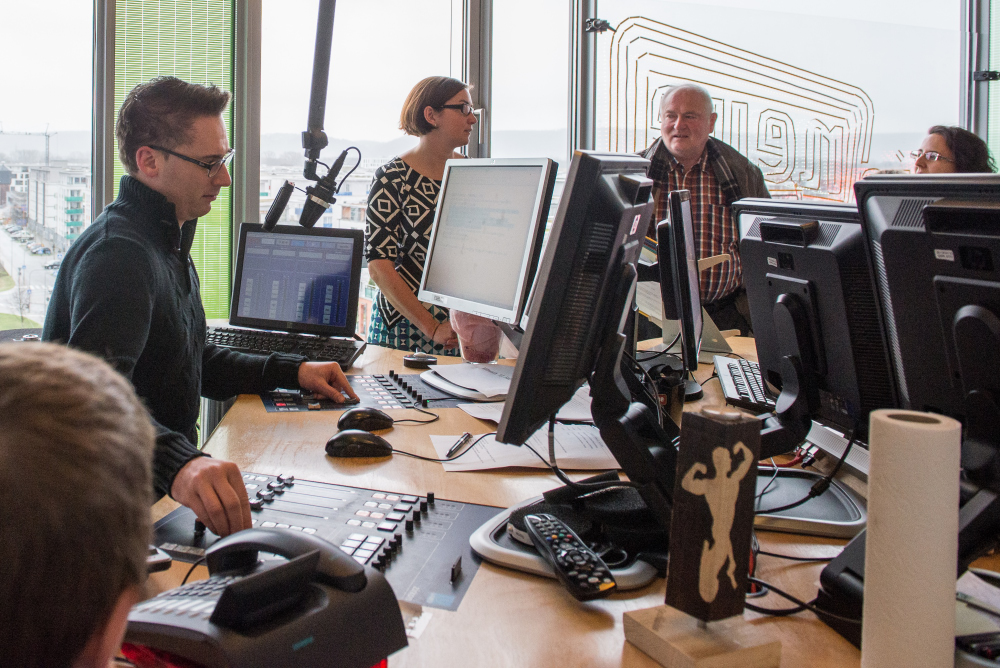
(45, 134)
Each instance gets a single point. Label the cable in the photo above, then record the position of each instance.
(712, 377)
(791, 558)
(434, 415)
(344, 180)
(448, 459)
(191, 570)
(651, 395)
(769, 482)
(821, 485)
(658, 353)
(800, 606)
(593, 486)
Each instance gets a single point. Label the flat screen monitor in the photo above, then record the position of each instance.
(810, 256)
(597, 233)
(679, 285)
(295, 279)
(487, 235)
(934, 242)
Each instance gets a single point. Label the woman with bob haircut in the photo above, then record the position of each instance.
(400, 212)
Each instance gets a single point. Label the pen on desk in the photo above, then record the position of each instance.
(462, 440)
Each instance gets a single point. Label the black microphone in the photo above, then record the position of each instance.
(278, 206)
(320, 196)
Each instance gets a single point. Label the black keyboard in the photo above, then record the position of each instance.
(742, 384)
(316, 348)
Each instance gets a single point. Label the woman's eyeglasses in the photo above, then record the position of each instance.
(930, 156)
(465, 108)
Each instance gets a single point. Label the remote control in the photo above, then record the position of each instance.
(583, 572)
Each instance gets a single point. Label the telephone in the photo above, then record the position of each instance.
(318, 608)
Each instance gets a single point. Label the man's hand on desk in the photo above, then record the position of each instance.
(215, 491)
(325, 378)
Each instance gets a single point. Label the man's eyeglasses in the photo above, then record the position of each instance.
(930, 156)
(212, 167)
(465, 108)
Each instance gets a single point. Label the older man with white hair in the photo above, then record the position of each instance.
(686, 157)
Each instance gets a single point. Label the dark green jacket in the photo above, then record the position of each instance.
(128, 291)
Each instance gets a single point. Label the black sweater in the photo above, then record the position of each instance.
(128, 291)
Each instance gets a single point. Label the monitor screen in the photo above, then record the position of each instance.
(298, 280)
(598, 231)
(487, 235)
(809, 257)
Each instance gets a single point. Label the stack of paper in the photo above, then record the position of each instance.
(490, 379)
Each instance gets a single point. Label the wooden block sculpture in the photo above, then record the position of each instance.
(713, 514)
(710, 534)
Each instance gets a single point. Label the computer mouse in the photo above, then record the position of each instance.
(368, 419)
(357, 443)
(419, 360)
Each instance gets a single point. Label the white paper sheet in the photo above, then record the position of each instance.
(649, 301)
(576, 409)
(578, 446)
(490, 379)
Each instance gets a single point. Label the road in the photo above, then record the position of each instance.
(28, 272)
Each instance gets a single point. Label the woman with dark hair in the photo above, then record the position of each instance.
(950, 149)
(401, 210)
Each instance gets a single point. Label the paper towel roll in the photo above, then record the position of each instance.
(911, 549)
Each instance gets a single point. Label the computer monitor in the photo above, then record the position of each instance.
(810, 256)
(934, 241)
(297, 280)
(583, 294)
(680, 289)
(487, 235)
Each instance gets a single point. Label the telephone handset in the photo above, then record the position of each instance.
(240, 551)
(320, 607)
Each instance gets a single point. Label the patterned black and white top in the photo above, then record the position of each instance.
(398, 222)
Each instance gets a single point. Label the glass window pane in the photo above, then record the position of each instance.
(993, 88)
(810, 92)
(45, 131)
(193, 41)
(530, 79)
(380, 51)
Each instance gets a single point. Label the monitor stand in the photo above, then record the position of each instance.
(492, 541)
(712, 341)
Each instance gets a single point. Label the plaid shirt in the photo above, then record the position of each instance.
(715, 232)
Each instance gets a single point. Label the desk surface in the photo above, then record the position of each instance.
(507, 618)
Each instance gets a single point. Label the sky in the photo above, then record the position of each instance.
(47, 73)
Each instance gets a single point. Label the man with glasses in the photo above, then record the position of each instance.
(686, 157)
(128, 291)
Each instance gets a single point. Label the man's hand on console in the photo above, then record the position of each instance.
(325, 378)
(215, 491)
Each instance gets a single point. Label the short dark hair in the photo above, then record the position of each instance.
(430, 92)
(75, 491)
(971, 153)
(161, 112)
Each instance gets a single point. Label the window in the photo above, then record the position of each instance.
(42, 126)
(391, 45)
(530, 80)
(380, 50)
(816, 94)
(191, 40)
